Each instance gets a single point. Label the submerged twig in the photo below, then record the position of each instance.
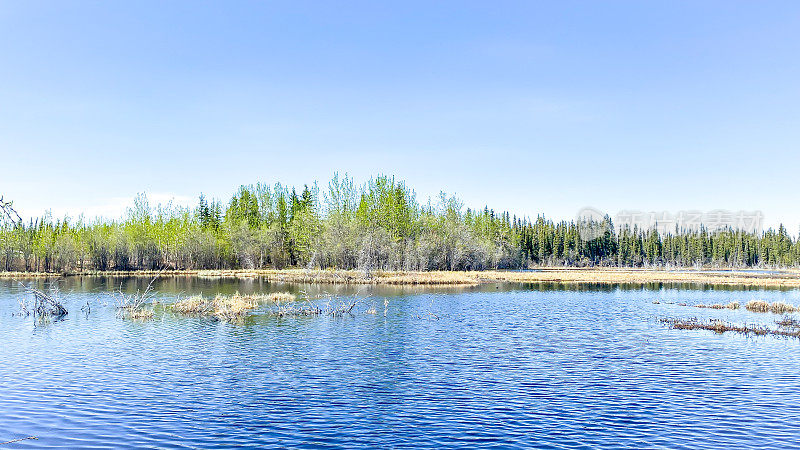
(32, 438)
(333, 307)
(788, 322)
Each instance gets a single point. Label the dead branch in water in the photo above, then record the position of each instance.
(333, 307)
(788, 322)
(135, 306)
(32, 438)
(44, 304)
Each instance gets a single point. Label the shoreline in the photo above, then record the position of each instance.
(786, 278)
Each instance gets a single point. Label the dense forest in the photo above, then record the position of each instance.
(377, 225)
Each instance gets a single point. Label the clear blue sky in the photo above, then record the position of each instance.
(532, 107)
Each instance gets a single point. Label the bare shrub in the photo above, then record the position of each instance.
(138, 305)
(43, 304)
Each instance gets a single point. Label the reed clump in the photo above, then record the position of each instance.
(774, 307)
(719, 326)
(194, 305)
(757, 306)
(781, 308)
(281, 297)
(141, 314)
(731, 305)
(225, 307)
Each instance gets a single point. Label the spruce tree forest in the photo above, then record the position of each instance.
(374, 226)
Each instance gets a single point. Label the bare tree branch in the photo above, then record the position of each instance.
(8, 213)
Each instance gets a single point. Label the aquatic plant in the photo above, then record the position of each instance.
(757, 306)
(781, 308)
(335, 310)
(293, 311)
(788, 322)
(140, 314)
(731, 305)
(719, 326)
(193, 305)
(305, 306)
(235, 306)
(225, 307)
(281, 297)
(137, 305)
(775, 307)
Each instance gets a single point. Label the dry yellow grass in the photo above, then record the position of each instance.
(192, 305)
(775, 307)
(718, 326)
(757, 306)
(135, 312)
(781, 308)
(786, 279)
(226, 307)
(281, 297)
(731, 305)
(140, 314)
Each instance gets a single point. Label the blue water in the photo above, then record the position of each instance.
(502, 366)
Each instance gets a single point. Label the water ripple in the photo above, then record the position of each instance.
(500, 368)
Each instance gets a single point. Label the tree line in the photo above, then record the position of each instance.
(377, 225)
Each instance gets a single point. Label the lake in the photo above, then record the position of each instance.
(495, 365)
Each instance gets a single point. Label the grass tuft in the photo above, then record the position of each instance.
(781, 308)
(224, 307)
(731, 305)
(757, 306)
(763, 307)
(140, 314)
(719, 326)
(281, 297)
